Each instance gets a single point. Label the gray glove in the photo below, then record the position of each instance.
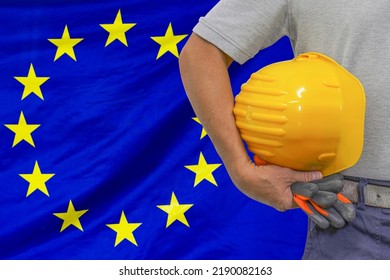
(323, 202)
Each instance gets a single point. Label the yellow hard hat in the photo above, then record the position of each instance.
(306, 114)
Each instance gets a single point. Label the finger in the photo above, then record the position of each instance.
(304, 189)
(343, 198)
(346, 210)
(319, 209)
(325, 199)
(320, 221)
(312, 213)
(301, 197)
(335, 218)
(334, 186)
(306, 176)
(333, 183)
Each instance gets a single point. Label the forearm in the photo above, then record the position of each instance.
(207, 84)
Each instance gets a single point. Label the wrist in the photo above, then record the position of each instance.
(238, 168)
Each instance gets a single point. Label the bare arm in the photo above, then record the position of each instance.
(206, 80)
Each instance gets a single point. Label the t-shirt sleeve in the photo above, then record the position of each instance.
(242, 28)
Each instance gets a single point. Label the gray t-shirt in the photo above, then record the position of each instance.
(354, 33)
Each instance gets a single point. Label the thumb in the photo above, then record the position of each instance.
(307, 176)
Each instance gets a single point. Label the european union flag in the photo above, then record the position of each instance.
(101, 154)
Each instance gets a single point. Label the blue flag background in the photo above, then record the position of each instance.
(101, 157)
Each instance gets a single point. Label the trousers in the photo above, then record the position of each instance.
(365, 238)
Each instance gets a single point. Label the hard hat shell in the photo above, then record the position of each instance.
(305, 114)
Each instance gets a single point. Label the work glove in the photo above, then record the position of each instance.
(323, 202)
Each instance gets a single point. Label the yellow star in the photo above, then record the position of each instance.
(124, 230)
(168, 42)
(22, 131)
(203, 133)
(37, 180)
(32, 83)
(71, 217)
(175, 211)
(117, 30)
(65, 44)
(203, 170)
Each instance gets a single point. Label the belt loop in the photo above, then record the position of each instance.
(360, 188)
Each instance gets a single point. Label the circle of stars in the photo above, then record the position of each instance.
(23, 131)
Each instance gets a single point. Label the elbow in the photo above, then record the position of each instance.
(198, 51)
(184, 59)
(188, 55)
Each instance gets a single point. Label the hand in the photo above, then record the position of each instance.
(323, 202)
(270, 184)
